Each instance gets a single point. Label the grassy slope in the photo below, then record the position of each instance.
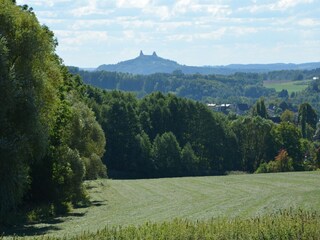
(123, 202)
(291, 86)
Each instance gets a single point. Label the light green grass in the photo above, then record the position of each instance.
(290, 86)
(290, 224)
(134, 202)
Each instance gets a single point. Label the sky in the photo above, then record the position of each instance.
(191, 32)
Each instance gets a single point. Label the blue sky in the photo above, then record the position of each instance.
(191, 32)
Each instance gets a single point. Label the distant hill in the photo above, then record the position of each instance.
(149, 64)
(143, 64)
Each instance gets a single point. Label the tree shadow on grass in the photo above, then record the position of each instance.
(28, 231)
(45, 226)
(98, 203)
(32, 229)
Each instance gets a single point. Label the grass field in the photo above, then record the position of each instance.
(290, 86)
(134, 202)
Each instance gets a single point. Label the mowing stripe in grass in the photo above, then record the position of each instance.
(134, 202)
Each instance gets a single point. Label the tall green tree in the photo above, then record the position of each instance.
(88, 138)
(122, 127)
(40, 158)
(287, 136)
(166, 155)
(307, 116)
(260, 109)
(189, 160)
(28, 92)
(254, 140)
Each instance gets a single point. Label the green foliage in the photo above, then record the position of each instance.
(189, 160)
(121, 127)
(217, 88)
(68, 171)
(166, 155)
(24, 101)
(287, 116)
(260, 109)
(94, 167)
(307, 118)
(254, 140)
(41, 144)
(282, 163)
(317, 158)
(219, 144)
(287, 136)
(86, 134)
(131, 126)
(144, 167)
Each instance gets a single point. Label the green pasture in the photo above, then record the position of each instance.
(134, 202)
(290, 86)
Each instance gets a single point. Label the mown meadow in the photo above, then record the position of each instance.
(221, 207)
(290, 86)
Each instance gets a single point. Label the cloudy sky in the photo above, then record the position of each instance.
(191, 32)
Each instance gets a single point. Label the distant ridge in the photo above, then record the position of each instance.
(149, 64)
(143, 64)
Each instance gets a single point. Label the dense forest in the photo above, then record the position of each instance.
(236, 88)
(165, 136)
(50, 140)
(56, 132)
(205, 88)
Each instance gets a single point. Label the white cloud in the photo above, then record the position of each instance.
(180, 38)
(191, 6)
(165, 27)
(161, 12)
(241, 31)
(47, 14)
(91, 8)
(90, 23)
(309, 22)
(284, 4)
(174, 26)
(41, 3)
(212, 35)
(183, 7)
(132, 3)
(79, 38)
(280, 5)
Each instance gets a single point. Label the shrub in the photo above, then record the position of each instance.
(282, 163)
(94, 167)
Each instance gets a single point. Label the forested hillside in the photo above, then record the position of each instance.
(217, 88)
(163, 135)
(235, 88)
(50, 140)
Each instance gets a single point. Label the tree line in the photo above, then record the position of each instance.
(205, 88)
(237, 87)
(164, 136)
(50, 140)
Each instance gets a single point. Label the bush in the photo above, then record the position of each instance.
(263, 168)
(282, 163)
(94, 167)
(62, 208)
